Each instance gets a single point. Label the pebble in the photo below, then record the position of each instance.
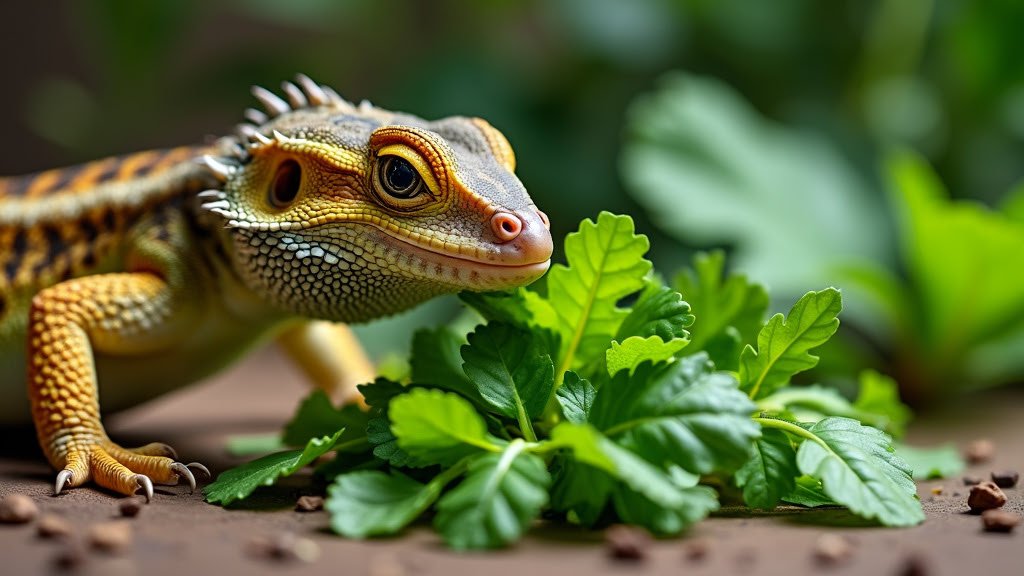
(52, 526)
(17, 509)
(285, 546)
(697, 550)
(999, 521)
(985, 496)
(972, 480)
(1005, 478)
(130, 508)
(627, 542)
(113, 537)
(979, 451)
(914, 565)
(71, 555)
(309, 503)
(832, 549)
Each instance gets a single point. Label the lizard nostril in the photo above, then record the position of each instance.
(544, 219)
(506, 226)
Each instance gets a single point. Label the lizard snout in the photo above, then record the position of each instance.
(522, 236)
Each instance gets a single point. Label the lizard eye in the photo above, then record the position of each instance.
(285, 185)
(398, 178)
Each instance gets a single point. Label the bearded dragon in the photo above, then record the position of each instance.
(138, 274)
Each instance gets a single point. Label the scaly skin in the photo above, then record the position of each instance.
(139, 274)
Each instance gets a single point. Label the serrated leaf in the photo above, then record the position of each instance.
(682, 413)
(783, 344)
(317, 417)
(437, 362)
(858, 469)
(378, 394)
(437, 427)
(771, 471)
(930, 463)
(240, 482)
(635, 350)
(813, 403)
(879, 395)
(509, 307)
(635, 508)
(373, 503)
(580, 490)
(511, 369)
(605, 263)
(575, 396)
(728, 310)
(660, 311)
(495, 503)
(385, 444)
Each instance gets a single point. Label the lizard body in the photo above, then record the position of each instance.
(132, 276)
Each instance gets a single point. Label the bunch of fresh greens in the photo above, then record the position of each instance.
(602, 397)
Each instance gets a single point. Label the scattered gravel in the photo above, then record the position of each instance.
(832, 549)
(698, 549)
(627, 542)
(130, 508)
(999, 521)
(111, 537)
(1006, 478)
(17, 509)
(980, 451)
(309, 503)
(985, 496)
(52, 526)
(285, 547)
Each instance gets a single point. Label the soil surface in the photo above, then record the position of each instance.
(179, 534)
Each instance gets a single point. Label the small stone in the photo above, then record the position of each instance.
(1006, 478)
(130, 508)
(111, 537)
(386, 565)
(914, 565)
(985, 496)
(832, 549)
(71, 555)
(285, 546)
(309, 503)
(627, 542)
(17, 509)
(697, 550)
(999, 521)
(979, 451)
(52, 526)
(937, 490)
(972, 480)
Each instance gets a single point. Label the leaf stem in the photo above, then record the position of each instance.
(792, 429)
(525, 426)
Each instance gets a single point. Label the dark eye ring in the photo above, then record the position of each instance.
(398, 177)
(284, 188)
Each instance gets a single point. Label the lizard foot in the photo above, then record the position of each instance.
(126, 471)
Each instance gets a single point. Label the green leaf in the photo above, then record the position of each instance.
(496, 502)
(858, 469)
(575, 396)
(373, 503)
(729, 310)
(606, 263)
(660, 312)
(511, 369)
(929, 463)
(635, 508)
(771, 471)
(809, 494)
(509, 307)
(240, 482)
(681, 413)
(381, 392)
(745, 186)
(242, 445)
(813, 403)
(437, 427)
(635, 350)
(879, 395)
(437, 362)
(784, 342)
(317, 417)
(385, 444)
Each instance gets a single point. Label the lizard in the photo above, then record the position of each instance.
(138, 274)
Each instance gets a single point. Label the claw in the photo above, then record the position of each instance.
(144, 483)
(183, 472)
(63, 479)
(200, 468)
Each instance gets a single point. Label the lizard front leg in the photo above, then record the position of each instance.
(330, 355)
(126, 313)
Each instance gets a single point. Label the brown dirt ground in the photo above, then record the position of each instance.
(180, 534)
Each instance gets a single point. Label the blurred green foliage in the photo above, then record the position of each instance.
(770, 143)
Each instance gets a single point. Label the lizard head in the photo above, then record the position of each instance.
(353, 212)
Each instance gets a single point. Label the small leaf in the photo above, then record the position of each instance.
(681, 413)
(317, 417)
(495, 503)
(511, 370)
(436, 362)
(771, 471)
(879, 395)
(240, 482)
(858, 469)
(635, 350)
(930, 463)
(373, 503)
(508, 307)
(809, 494)
(385, 444)
(575, 396)
(606, 263)
(660, 312)
(783, 343)
(635, 508)
(380, 392)
(437, 427)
